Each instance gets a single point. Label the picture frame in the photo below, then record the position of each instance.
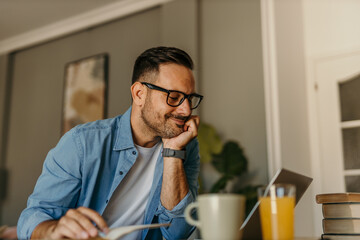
(85, 91)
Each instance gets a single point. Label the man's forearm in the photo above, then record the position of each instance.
(44, 229)
(174, 184)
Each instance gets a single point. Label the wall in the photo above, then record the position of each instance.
(34, 13)
(184, 33)
(232, 77)
(331, 26)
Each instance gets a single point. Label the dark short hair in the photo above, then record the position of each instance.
(150, 60)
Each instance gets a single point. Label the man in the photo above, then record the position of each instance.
(138, 168)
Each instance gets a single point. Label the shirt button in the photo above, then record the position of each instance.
(107, 201)
(121, 173)
(134, 153)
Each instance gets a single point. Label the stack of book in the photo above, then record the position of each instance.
(341, 212)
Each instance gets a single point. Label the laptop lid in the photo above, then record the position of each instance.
(251, 225)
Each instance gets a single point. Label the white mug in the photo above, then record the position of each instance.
(220, 216)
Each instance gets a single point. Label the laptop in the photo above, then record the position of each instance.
(251, 225)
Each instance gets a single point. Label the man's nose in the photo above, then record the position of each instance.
(185, 107)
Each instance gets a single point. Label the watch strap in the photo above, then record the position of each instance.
(168, 152)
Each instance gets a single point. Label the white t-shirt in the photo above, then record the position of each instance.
(128, 202)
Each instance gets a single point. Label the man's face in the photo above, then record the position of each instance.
(163, 120)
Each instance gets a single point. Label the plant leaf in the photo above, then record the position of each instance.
(209, 142)
(220, 184)
(231, 161)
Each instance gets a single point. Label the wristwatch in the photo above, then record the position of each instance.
(168, 152)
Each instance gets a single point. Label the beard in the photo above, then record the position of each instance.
(161, 125)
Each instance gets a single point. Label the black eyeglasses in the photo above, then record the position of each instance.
(175, 98)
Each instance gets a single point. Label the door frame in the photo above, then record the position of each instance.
(272, 112)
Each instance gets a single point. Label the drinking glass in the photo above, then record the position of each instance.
(277, 204)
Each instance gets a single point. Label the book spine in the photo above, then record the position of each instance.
(341, 226)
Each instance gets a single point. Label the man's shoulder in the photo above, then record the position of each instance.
(102, 125)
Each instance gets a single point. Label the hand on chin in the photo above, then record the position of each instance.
(187, 132)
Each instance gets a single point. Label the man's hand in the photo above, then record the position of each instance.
(190, 132)
(76, 223)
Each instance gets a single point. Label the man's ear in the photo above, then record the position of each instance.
(138, 93)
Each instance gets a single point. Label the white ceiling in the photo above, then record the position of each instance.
(19, 16)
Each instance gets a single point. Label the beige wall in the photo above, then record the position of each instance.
(232, 76)
(179, 27)
(331, 26)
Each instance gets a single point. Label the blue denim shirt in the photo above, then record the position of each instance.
(88, 164)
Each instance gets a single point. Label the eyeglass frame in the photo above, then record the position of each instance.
(186, 96)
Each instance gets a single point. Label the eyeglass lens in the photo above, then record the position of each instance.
(176, 98)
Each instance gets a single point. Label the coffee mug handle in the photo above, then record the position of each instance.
(188, 216)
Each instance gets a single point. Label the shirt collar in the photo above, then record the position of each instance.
(124, 137)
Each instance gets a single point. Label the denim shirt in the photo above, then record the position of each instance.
(85, 168)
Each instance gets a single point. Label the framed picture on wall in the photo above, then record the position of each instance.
(85, 91)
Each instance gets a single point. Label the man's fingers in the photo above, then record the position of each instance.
(192, 126)
(96, 218)
(79, 223)
(63, 230)
(197, 120)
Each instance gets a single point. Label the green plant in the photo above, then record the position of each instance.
(209, 142)
(230, 162)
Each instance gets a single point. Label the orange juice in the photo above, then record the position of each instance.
(277, 217)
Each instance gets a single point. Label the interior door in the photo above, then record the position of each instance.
(338, 109)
